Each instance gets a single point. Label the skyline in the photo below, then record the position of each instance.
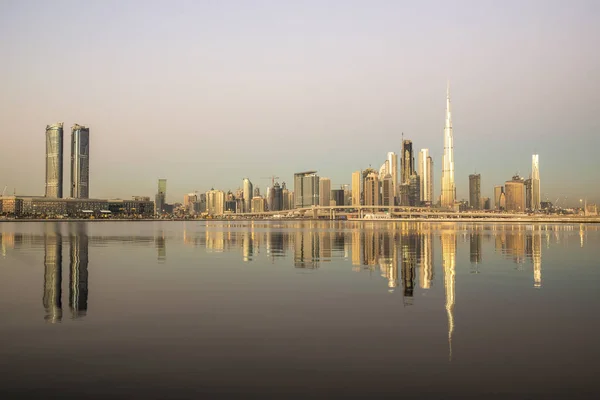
(305, 91)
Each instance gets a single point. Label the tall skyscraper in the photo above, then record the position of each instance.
(408, 161)
(535, 182)
(306, 189)
(393, 170)
(324, 191)
(448, 197)
(248, 194)
(276, 197)
(515, 194)
(215, 202)
(475, 191)
(387, 190)
(498, 191)
(372, 189)
(356, 188)
(425, 171)
(54, 160)
(161, 196)
(80, 162)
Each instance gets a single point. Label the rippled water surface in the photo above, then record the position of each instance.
(298, 309)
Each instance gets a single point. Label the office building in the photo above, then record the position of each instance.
(387, 190)
(535, 183)
(356, 188)
(337, 196)
(372, 190)
(408, 161)
(215, 202)
(448, 196)
(161, 196)
(54, 160)
(475, 191)
(80, 162)
(324, 191)
(248, 194)
(528, 194)
(425, 171)
(514, 191)
(306, 189)
(258, 204)
(188, 202)
(276, 197)
(414, 190)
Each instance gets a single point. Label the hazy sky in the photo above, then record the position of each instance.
(205, 93)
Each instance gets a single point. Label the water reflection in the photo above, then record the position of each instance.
(448, 239)
(52, 298)
(78, 285)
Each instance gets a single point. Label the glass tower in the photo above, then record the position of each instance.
(54, 160)
(80, 162)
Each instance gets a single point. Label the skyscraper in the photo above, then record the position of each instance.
(372, 190)
(54, 160)
(425, 171)
(356, 188)
(475, 191)
(387, 190)
(324, 191)
(515, 194)
(448, 197)
(306, 189)
(215, 202)
(161, 196)
(80, 162)
(535, 182)
(498, 191)
(393, 170)
(248, 194)
(408, 161)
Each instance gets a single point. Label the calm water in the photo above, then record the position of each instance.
(284, 309)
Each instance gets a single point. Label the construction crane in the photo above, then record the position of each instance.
(272, 178)
(4, 190)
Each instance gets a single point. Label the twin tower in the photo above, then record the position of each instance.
(80, 161)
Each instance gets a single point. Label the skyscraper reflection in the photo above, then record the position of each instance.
(53, 274)
(306, 249)
(159, 243)
(409, 251)
(78, 283)
(426, 267)
(448, 239)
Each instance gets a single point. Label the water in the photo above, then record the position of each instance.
(297, 309)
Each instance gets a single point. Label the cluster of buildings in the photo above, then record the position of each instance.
(396, 183)
(78, 204)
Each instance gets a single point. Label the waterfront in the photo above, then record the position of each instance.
(185, 309)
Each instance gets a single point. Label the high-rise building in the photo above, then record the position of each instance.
(414, 190)
(475, 191)
(393, 170)
(535, 183)
(387, 190)
(161, 197)
(54, 160)
(188, 202)
(215, 202)
(285, 194)
(248, 194)
(515, 194)
(80, 162)
(276, 197)
(356, 188)
(528, 194)
(258, 204)
(498, 191)
(425, 171)
(306, 189)
(448, 196)
(408, 161)
(372, 189)
(337, 196)
(324, 191)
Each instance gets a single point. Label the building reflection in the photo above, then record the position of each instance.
(160, 244)
(52, 298)
(409, 249)
(448, 240)
(306, 249)
(78, 282)
(426, 258)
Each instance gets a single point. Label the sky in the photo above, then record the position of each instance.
(205, 93)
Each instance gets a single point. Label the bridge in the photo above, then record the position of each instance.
(331, 212)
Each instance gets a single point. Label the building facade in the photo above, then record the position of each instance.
(372, 190)
(535, 183)
(54, 160)
(514, 191)
(387, 190)
(80, 162)
(306, 189)
(498, 191)
(324, 191)
(161, 196)
(248, 190)
(448, 196)
(356, 188)
(475, 191)
(215, 202)
(425, 171)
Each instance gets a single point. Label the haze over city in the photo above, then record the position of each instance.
(205, 94)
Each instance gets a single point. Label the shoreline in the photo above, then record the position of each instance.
(528, 220)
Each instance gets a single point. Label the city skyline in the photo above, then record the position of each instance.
(501, 118)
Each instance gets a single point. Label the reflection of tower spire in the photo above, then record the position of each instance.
(536, 256)
(449, 265)
(78, 285)
(53, 276)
